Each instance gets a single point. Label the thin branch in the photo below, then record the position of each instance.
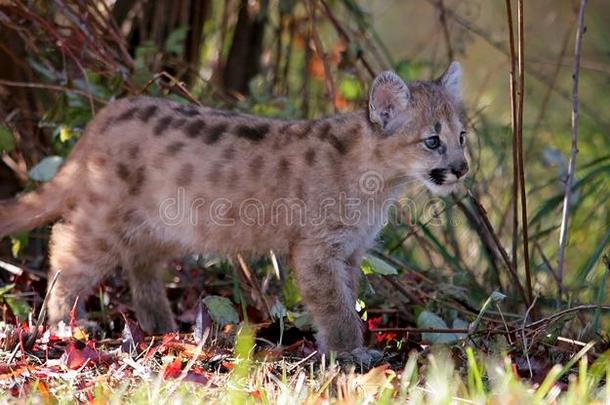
(420, 330)
(328, 78)
(343, 34)
(483, 216)
(563, 235)
(521, 93)
(514, 124)
(43, 310)
(445, 26)
(51, 87)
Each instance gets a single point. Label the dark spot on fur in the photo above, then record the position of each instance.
(438, 127)
(122, 171)
(173, 148)
(102, 245)
(228, 153)
(325, 133)
(185, 175)
(162, 125)
(127, 114)
(137, 181)
(214, 134)
(252, 133)
(147, 112)
(310, 157)
(256, 166)
(305, 129)
(319, 269)
(188, 110)
(133, 151)
(134, 179)
(287, 128)
(194, 128)
(283, 167)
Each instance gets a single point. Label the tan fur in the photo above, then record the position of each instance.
(151, 179)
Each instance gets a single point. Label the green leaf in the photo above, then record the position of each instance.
(46, 168)
(408, 71)
(19, 242)
(350, 89)
(7, 141)
(427, 319)
(6, 288)
(19, 307)
(175, 40)
(374, 265)
(291, 293)
(221, 310)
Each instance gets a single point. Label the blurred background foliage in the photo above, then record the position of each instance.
(62, 60)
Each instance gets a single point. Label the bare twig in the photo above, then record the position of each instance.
(345, 37)
(328, 78)
(525, 349)
(557, 315)
(255, 285)
(521, 93)
(563, 235)
(11, 268)
(52, 87)
(173, 83)
(43, 310)
(420, 330)
(445, 26)
(514, 124)
(483, 216)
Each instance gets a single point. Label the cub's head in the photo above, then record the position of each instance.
(422, 134)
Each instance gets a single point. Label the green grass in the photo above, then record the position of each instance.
(433, 379)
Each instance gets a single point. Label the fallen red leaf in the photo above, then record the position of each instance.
(75, 358)
(133, 336)
(173, 369)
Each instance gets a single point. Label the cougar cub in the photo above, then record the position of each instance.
(151, 179)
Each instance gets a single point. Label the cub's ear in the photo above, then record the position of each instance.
(452, 81)
(388, 98)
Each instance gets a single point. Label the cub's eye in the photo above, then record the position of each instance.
(462, 138)
(432, 142)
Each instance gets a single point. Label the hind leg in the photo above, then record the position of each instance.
(84, 261)
(143, 267)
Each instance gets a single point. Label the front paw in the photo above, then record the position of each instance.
(362, 357)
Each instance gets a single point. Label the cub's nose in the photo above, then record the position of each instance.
(459, 169)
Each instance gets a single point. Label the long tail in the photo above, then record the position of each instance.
(54, 198)
(36, 208)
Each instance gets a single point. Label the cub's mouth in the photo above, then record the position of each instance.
(441, 181)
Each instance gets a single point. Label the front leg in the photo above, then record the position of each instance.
(326, 285)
